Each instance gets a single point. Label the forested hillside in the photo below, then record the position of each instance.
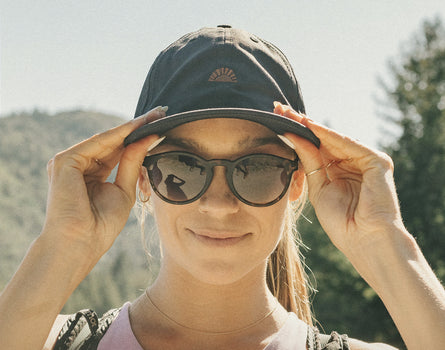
(27, 142)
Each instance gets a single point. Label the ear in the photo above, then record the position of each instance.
(144, 182)
(296, 185)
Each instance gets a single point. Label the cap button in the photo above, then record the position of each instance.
(224, 26)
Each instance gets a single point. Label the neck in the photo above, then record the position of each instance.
(181, 299)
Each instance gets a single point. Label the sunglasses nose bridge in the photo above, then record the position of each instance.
(218, 195)
(226, 164)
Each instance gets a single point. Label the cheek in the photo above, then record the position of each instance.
(273, 224)
(164, 215)
(272, 221)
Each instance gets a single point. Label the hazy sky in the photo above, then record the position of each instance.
(60, 55)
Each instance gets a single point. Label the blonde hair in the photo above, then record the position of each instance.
(285, 274)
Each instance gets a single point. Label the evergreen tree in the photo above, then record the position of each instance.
(416, 98)
(414, 106)
(344, 301)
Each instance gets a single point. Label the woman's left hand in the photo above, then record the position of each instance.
(351, 186)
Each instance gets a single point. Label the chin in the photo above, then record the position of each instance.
(222, 274)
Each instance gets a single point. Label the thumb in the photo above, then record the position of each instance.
(312, 162)
(131, 163)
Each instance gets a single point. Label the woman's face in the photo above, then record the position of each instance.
(217, 239)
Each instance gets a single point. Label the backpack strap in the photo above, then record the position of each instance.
(333, 341)
(84, 330)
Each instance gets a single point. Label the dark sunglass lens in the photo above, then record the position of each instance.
(177, 177)
(260, 179)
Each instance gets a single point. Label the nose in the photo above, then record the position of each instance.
(219, 200)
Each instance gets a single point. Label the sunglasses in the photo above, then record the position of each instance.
(258, 180)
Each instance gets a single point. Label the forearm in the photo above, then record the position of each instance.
(37, 292)
(397, 270)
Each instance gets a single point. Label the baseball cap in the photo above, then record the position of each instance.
(221, 72)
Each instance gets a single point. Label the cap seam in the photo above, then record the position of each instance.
(154, 74)
(289, 70)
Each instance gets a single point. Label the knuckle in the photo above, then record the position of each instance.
(386, 161)
(58, 161)
(101, 141)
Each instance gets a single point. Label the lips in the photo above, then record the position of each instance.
(218, 234)
(219, 237)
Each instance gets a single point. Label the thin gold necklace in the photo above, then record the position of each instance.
(210, 332)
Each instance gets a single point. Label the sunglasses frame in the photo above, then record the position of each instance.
(289, 165)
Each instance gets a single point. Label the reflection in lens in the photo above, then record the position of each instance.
(155, 174)
(259, 179)
(184, 177)
(173, 184)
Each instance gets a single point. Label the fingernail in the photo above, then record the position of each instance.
(276, 103)
(154, 144)
(147, 116)
(162, 108)
(286, 141)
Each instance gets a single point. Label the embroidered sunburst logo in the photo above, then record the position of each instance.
(223, 74)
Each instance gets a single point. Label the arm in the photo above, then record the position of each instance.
(356, 203)
(84, 216)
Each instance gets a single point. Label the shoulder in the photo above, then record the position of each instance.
(335, 340)
(82, 330)
(355, 344)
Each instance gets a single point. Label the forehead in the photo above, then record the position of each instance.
(224, 124)
(222, 135)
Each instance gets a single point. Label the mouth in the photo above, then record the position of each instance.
(219, 238)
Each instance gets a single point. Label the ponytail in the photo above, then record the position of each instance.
(286, 277)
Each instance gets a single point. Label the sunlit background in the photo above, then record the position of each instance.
(84, 62)
(63, 55)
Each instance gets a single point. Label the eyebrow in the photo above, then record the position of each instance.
(246, 143)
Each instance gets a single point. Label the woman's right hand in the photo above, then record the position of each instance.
(83, 208)
(85, 214)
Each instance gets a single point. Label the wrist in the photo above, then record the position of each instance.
(73, 257)
(397, 270)
(75, 243)
(378, 257)
(37, 292)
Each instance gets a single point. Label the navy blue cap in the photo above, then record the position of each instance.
(221, 72)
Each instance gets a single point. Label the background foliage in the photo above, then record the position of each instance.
(412, 109)
(416, 107)
(27, 142)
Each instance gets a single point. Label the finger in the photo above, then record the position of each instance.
(308, 154)
(278, 108)
(311, 159)
(131, 163)
(338, 145)
(102, 145)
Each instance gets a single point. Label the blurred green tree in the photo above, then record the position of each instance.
(343, 301)
(416, 109)
(413, 110)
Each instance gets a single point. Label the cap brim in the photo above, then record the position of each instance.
(275, 122)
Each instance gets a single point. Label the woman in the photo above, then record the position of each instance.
(223, 185)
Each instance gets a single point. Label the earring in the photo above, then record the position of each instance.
(142, 197)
